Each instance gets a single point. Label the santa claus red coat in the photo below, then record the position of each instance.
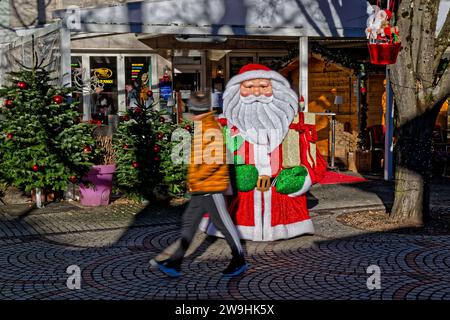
(269, 215)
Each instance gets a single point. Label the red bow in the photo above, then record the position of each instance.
(308, 130)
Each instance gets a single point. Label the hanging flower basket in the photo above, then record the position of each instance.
(384, 53)
(384, 42)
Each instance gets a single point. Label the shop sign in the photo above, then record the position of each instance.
(103, 75)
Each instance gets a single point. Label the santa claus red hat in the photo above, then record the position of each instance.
(257, 71)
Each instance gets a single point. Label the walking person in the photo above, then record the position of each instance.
(207, 181)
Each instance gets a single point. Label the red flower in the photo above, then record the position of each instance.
(9, 136)
(35, 168)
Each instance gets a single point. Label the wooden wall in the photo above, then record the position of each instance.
(328, 80)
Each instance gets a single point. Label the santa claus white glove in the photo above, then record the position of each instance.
(293, 181)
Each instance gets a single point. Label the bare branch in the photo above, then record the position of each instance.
(442, 42)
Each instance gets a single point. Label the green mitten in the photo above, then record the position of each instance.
(291, 180)
(246, 177)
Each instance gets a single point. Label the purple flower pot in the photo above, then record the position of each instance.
(98, 195)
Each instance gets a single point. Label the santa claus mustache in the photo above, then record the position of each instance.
(261, 119)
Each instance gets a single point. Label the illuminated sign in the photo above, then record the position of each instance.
(103, 73)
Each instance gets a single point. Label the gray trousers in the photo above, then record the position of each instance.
(214, 205)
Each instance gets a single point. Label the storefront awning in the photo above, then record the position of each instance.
(321, 18)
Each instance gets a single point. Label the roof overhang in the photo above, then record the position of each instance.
(320, 18)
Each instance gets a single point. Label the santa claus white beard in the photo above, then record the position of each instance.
(261, 120)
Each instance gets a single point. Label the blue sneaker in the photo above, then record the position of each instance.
(171, 272)
(236, 267)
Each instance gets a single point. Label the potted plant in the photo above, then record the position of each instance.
(96, 186)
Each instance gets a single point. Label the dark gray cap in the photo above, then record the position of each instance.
(199, 101)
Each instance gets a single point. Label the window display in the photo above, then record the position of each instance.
(138, 86)
(77, 80)
(104, 101)
(236, 63)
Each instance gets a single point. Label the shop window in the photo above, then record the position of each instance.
(138, 75)
(77, 80)
(236, 63)
(104, 101)
(274, 63)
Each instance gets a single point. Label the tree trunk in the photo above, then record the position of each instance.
(413, 170)
(419, 92)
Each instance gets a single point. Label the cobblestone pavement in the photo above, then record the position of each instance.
(113, 246)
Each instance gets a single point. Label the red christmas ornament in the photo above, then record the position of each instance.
(35, 168)
(363, 90)
(21, 85)
(58, 99)
(135, 164)
(156, 149)
(188, 127)
(156, 158)
(73, 179)
(87, 149)
(99, 123)
(9, 103)
(159, 136)
(9, 136)
(162, 119)
(149, 93)
(137, 110)
(125, 146)
(126, 117)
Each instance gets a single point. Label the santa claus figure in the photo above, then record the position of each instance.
(270, 144)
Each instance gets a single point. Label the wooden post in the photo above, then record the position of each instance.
(66, 70)
(303, 70)
(389, 120)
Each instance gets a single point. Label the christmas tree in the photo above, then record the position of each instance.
(143, 149)
(43, 144)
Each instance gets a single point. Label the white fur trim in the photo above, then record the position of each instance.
(267, 218)
(286, 231)
(258, 213)
(262, 160)
(255, 74)
(277, 232)
(306, 186)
